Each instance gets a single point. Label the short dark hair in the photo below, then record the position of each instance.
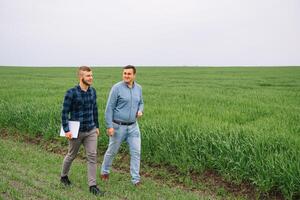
(130, 67)
(83, 68)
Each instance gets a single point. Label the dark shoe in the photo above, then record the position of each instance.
(65, 180)
(95, 190)
(138, 184)
(104, 177)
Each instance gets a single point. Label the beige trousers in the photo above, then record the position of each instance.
(89, 141)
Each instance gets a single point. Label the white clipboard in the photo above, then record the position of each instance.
(74, 128)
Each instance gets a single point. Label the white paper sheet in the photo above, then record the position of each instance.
(74, 128)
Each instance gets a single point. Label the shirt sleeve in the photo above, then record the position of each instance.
(66, 110)
(141, 103)
(95, 111)
(110, 106)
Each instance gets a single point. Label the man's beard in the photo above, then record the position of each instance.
(86, 83)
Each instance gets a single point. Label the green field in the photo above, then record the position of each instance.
(242, 122)
(37, 177)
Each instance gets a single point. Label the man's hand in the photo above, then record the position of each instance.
(139, 114)
(68, 135)
(97, 131)
(110, 132)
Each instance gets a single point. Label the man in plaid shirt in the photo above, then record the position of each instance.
(80, 104)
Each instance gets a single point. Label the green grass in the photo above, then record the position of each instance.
(242, 122)
(28, 172)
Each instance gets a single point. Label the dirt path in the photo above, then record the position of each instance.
(209, 183)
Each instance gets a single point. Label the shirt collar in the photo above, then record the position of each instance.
(133, 84)
(79, 88)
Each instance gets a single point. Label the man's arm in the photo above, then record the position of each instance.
(95, 113)
(110, 106)
(66, 110)
(141, 105)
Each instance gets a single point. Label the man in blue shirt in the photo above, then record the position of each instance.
(125, 104)
(80, 104)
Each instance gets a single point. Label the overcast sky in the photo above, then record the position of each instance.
(152, 32)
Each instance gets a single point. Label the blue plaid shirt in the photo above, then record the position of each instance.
(80, 106)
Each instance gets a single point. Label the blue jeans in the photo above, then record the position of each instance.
(131, 134)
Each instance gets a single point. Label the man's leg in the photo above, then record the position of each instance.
(74, 145)
(134, 142)
(113, 147)
(90, 145)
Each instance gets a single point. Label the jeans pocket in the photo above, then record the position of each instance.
(116, 126)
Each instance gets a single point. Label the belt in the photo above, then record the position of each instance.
(123, 123)
(86, 129)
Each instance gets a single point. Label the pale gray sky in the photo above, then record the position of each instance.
(152, 32)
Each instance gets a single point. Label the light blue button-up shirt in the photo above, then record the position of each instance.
(123, 103)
